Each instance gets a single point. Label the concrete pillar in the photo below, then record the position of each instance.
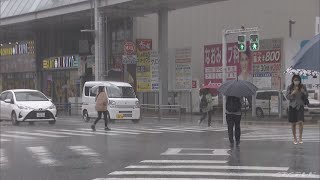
(97, 29)
(163, 55)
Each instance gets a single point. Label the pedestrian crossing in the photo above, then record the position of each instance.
(214, 167)
(33, 134)
(44, 157)
(309, 135)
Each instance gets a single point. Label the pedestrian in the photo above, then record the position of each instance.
(101, 108)
(298, 97)
(206, 106)
(233, 116)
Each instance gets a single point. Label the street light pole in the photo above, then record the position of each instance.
(96, 42)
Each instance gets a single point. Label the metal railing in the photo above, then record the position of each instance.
(155, 111)
(68, 108)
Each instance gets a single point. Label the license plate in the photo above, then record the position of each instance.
(41, 115)
(119, 116)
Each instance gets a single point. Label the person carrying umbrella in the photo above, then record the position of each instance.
(101, 108)
(235, 90)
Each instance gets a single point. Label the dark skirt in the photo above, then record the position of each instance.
(296, 115)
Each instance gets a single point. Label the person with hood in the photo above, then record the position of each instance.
(206, 106)
(101, 108)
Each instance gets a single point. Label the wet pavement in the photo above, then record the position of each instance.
(157, 150)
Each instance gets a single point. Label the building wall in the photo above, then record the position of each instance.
(202, 25)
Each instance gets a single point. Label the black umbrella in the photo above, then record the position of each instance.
(238, 88)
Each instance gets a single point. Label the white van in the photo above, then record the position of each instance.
(123, 104)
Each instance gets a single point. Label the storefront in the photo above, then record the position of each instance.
(17, 65)
(61, 79)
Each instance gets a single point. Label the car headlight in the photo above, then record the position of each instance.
(23, 107)
(137, 105)
(52, 107)
(112, 103)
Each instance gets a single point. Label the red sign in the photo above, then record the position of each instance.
(144, 44)
(129, 48)
(239, 65)
(194, 84)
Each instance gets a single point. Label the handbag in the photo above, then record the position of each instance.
(305, 100)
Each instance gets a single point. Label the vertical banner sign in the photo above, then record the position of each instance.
(143, 70)
(154, 67)
(213, 64)
(183, 69)
(267, 64)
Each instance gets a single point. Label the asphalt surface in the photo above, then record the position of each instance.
(69, 150)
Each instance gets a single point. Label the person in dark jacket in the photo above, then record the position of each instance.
(296, 93)
(233, 116)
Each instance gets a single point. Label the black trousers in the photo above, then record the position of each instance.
(234, 120)
(105, 115)
(205, 114)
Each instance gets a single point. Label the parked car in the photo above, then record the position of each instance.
(26, 105)
(314, 106)
(123, 103)
(264, 103)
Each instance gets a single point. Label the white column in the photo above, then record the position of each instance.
(97, 29)
(224, 76)
(163, 55)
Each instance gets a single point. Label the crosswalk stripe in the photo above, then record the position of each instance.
(99, 131)
(119, 132)
(280, 135)
(66, 133)
(85, 151)
(112, 131)
(36, 134)
(202, 173)
(209, 167)
(3, 159)
(134, 130)
(17, 136)
(135, 178)
(185, 161)
(182, 130)
(86, 132)
(4, 140)
(162, 130)
(277, 139)
(43, 155)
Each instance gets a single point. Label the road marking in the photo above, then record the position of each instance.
(103, 132)
(135, 130)
(162, 130)
(212, 152)
(133, 178)
(3, 159)
(185, 130)
(111, 132)
(280, 135)
(4, 140)
(85, 151)
(66, 133)
(235, 174)
(36, 134)
(185, 161)
(210, 167)
(87, 132)
(17, 136)
(43, 156)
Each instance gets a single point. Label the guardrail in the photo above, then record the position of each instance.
(68, 108)
(163, 111)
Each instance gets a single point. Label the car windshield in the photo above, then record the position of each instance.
(30, 96)
(120, 92)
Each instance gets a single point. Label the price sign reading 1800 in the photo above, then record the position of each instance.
(270, 56)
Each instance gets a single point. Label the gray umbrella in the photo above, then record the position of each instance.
(308, 58)
(238, 88)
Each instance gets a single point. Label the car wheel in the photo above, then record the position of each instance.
(52, 122)
(259, 113)
(85, 116)
(135, 121)
(14, 119)
(31, 123)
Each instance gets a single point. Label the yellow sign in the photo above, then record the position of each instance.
(143, 71)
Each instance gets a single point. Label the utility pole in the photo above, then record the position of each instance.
(225, 33)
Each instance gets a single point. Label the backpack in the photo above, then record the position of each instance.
(233, 104)
(203, 102)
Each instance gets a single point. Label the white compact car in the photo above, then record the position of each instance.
(123, 103)
(26, 105)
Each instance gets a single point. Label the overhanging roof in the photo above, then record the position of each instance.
(18, 11)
